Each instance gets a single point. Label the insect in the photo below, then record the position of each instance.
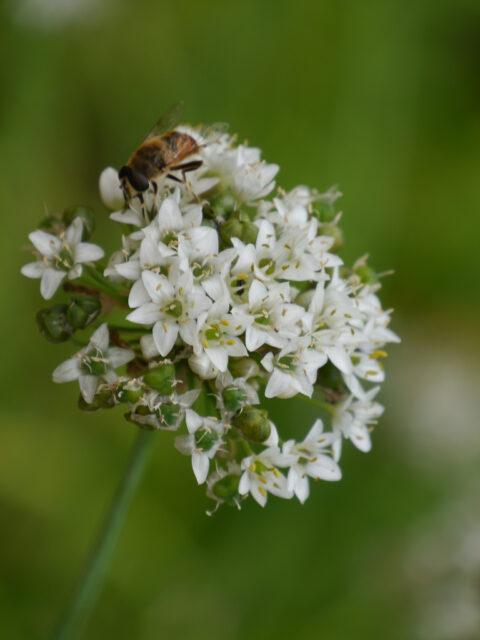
(162, 151)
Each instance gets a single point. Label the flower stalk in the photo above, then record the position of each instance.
(86, 592)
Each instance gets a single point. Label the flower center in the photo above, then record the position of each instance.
(94, 363)
(64, 260)
(174, 309)
(205, 438)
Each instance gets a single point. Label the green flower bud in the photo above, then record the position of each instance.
(227, 487)
(244, 368)
(53, 324)
(103, 399)
(52, 224)
(83, 310)
(231, 229)
(223, 205)
(334, 232)
(366, 274)
(161, 378)
(325, 212)
(130, 391)
(249, 232)
(330, 377)
(234, 398)
(169, 413)
(86, 216)
(253, 423)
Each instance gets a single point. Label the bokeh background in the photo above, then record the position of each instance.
(382, 98)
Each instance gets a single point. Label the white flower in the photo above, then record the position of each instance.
(261, 476)
(202, 443)
(353, 419)
(313, 460)
(292, 372)
(61, 257)
(93, 364)
(165, 413)
(172, 309)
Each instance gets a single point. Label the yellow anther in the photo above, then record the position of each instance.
(262, 491)
(378, 353)
(225, 323)
(205, 343)
(262, 479)
(230, 342)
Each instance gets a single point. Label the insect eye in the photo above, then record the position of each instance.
(136, 179)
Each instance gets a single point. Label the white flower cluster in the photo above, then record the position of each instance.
(221, 296)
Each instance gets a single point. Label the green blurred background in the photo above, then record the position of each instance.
(382, 98)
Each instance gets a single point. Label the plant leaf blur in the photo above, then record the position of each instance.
(380, 98)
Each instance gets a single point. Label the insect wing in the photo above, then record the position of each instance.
(167, 121)
(212, 132)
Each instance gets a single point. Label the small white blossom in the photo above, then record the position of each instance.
(202, 443)
(60, 257)
(93, 364)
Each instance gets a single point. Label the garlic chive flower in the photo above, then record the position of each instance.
(223, 291)
(93, 364)
(60, 257)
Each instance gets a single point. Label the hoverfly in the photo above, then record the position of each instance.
(162, 152)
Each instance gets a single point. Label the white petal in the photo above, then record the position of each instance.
(88, 252)
(148, 347)
(118, 356)
(73, 234)
(185, 444)
(67, 371)
(254, 338)
(339, 358)
(138, 295)
(158, 287)
(130, 270)
(33, 269)
(244, 484)
(170, 216)
(165, 335)
(281, 384)
(146, 314)
(46, 243)
(200, 466)
(101, 337)
(302, 488)
(193, 420)
(88, 386)
(257, 294)
(110, 189)
(218, 356)
(51, 279)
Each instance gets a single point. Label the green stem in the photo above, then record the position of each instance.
(316, 403)
(90, 581)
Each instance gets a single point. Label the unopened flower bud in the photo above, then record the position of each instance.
(366, 274)
(52, 224)
(234, 398)
(253, 423)
(334, 232)
(86, 216)
(239, 227)
(130, 391)
(224, 205)
(103, 399)
(53, 323)
(244, 368)
(161, 378)
(83, 310)
(231, 229)
(227, 487)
